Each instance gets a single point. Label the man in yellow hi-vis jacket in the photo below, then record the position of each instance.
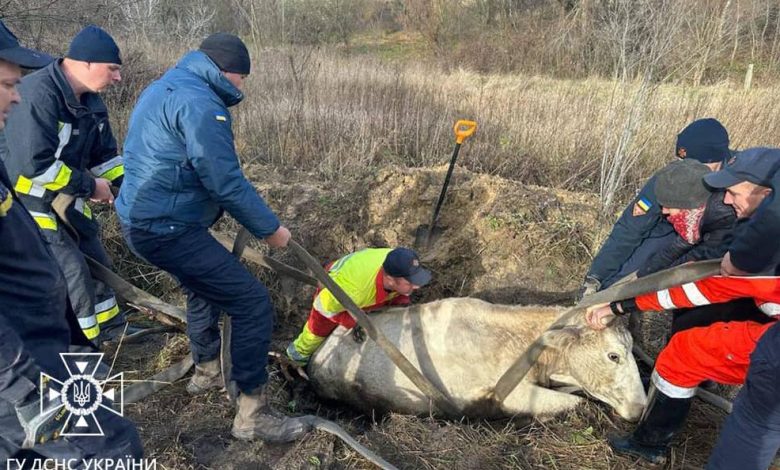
(373, 278)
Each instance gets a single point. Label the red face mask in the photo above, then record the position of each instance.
(687, 224)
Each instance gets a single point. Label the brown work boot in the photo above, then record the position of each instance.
(207, 376)
(255, 419)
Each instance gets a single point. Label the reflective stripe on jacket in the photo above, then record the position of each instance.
(765, 290)
(33, 324)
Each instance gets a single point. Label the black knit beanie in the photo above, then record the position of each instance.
(705, 140)
(227, 51)
(92, 44)
(680, 185)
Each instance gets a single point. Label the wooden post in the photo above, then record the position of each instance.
(748, 77)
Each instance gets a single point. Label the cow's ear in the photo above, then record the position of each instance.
(562, 337)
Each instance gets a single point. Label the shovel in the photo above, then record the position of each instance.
(424, 233)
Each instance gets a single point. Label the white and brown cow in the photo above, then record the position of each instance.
(464, 345)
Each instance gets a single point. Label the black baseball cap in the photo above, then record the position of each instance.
(403, 262)
(757, 165)
(11, 51)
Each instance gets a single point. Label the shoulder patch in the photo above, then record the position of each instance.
(221, 117)
(6, 200)
(641, 206)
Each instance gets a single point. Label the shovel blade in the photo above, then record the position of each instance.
(424, 237)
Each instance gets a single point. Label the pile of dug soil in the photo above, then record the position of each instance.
(502, 241)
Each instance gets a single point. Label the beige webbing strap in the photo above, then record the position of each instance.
(442, 402)
(661, 280)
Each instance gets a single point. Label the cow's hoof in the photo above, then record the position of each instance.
(287, 365)
(627, 446)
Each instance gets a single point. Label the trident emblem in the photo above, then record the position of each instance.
(81, 392)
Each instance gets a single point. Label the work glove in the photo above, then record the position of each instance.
(41, 425)
(590, 286)
(358, 334)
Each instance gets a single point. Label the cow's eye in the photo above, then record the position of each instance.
(614, 358)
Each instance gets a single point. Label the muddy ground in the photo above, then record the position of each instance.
(503, 242)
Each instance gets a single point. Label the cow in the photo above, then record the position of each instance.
(463, 345)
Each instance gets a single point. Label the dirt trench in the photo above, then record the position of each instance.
(503, 242)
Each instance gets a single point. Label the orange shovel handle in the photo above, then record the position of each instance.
(463, 129)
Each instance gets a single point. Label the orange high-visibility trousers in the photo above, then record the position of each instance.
(719, 352)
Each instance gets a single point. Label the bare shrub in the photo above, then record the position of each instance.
(302, 21)
(155, 19)
(426, 17)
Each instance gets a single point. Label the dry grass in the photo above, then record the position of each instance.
(338, 115)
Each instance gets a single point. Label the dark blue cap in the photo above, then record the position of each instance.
(11, 51)
(93, 44)
(757, 165)
(705, 140)
(403, 262)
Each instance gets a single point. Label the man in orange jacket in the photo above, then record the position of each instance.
(726, 352)
(720, 352)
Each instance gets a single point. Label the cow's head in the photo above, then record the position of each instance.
(601, 364)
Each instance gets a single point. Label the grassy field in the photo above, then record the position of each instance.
(339, 112)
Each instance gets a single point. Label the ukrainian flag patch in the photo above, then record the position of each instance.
(6, 201)
(644, 204)
(221, 117)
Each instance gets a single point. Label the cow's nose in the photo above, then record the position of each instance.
(632, 412)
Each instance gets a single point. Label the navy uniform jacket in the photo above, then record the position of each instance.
(641, 221)
(33, 304)
(717, 230)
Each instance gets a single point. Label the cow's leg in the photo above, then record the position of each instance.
(541, 403)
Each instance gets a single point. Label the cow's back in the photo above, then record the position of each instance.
(462, 345)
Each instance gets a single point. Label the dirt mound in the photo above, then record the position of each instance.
(503, 241)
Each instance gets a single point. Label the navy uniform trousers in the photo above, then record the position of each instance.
(215, 281)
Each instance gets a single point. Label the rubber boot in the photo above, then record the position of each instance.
(207, 376)
(646, 382)
(662, 420)
(256, 420)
